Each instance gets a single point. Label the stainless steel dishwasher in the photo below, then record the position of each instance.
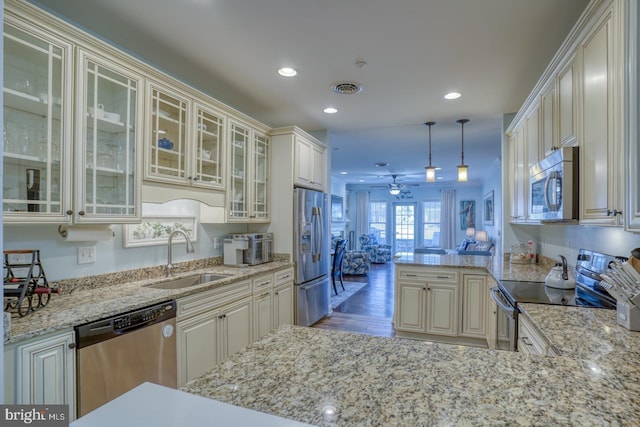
(118, 353)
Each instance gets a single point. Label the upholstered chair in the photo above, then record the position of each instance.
(378, 253)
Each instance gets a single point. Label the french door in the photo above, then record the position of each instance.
(404, 227)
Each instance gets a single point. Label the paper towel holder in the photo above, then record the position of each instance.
(63, 230)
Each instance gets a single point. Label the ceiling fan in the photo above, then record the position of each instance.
(395, 186)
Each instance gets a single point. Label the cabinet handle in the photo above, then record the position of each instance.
(411, 275)
(443, 277)
(69, 212)
(222, 316)
(264, 295)
(526, 341)
(72, 345)
(81, 213)
(613, 212)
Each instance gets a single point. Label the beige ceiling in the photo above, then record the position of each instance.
(492, 51)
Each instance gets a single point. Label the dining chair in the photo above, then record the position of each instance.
(336, 269)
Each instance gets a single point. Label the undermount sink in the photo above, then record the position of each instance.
(185, 282)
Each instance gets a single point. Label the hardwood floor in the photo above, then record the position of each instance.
(369, 310)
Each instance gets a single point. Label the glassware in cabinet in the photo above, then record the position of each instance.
(37, 125)
(260, 177)
(238, 164)
(109, 178)
(168, 148)
(208, 150)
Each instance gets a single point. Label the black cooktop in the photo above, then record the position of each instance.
(538, 293)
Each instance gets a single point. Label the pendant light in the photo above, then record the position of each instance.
(430, 170)
(462, 168)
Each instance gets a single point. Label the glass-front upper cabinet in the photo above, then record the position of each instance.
(238, 208)
(207, 165)
(108, 141)
(168, 114)
(260, 196)
(37, 125)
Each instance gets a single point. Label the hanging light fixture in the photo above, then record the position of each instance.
(462, 168)
(430, 170)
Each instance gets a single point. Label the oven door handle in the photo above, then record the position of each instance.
(497, 296)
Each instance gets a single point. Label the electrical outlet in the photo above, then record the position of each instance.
(87, 255)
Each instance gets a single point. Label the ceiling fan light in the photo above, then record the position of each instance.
(462, 173)
(394, 191)
(430, 173)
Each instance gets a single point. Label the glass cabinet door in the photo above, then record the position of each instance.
(208, 152)
(108, 142)
(260, 177)
(168, 154)
(36, 128)
(239, 159)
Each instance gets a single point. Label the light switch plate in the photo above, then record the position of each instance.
(87, 255)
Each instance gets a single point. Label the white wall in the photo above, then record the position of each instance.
(60, 258)
(493, 182)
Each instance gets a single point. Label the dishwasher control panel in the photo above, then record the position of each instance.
(104, 329)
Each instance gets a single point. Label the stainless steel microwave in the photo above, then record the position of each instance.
(553, 187)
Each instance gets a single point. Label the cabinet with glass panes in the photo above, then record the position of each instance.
(37, 124)
(185, 139)
(108, 139)
(248, 193)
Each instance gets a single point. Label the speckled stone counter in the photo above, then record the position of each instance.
(306, 374)
(88, 303)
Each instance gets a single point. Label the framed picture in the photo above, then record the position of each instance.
(467, 214)
(487, 210)
(156, 230)
(337, 208)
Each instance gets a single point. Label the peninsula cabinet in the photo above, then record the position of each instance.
(530, 340)
(475, 305)
(185, 139)
(262, 305)
(211, 326)
(601, 130)
(42, 371)
(248, 198)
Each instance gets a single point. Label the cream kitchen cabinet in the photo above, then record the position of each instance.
(474, 306)
(42, 371)
(61, 167)
(310, 164)
(426, 301)
(632, 207)
(262, 305)
(548, 134)
(185, 139)
(530, 340)
(600, 134)
(283, 298)
(37, 132)
(248, 197)
(108, 141)
(517, 181)
(567, 100)
(211, 326)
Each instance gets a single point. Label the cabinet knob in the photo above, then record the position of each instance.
(195, 178)
(189, 178)
(72, 345)
(69, 212)
(81, 213)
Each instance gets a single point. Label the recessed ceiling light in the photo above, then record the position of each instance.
(343, 172)
(452, 95)
(330, 110)
(361, 180)
(382, 165)
(287, 71)
(439, 177)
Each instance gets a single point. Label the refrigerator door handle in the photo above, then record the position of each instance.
(317, 233)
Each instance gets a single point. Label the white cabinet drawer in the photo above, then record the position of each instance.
(207, 300)
(283, 276)
(263, 282)
(428, 274)
(529, 339)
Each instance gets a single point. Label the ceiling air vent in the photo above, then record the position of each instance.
(346, 88)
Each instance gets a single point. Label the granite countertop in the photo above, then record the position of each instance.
(82, 305)
(331, 378)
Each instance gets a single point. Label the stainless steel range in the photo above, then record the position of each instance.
(588, 293)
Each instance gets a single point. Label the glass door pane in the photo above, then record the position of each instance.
(404, 227)
(261, 174)
(168, 149)
(238, 164)
(34, 115)
(110, 138)
(209, 148)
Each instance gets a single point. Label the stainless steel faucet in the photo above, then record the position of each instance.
(190, 249)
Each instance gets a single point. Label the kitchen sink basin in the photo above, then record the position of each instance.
(185, 282)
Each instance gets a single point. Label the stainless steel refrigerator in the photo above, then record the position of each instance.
(311, 255)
